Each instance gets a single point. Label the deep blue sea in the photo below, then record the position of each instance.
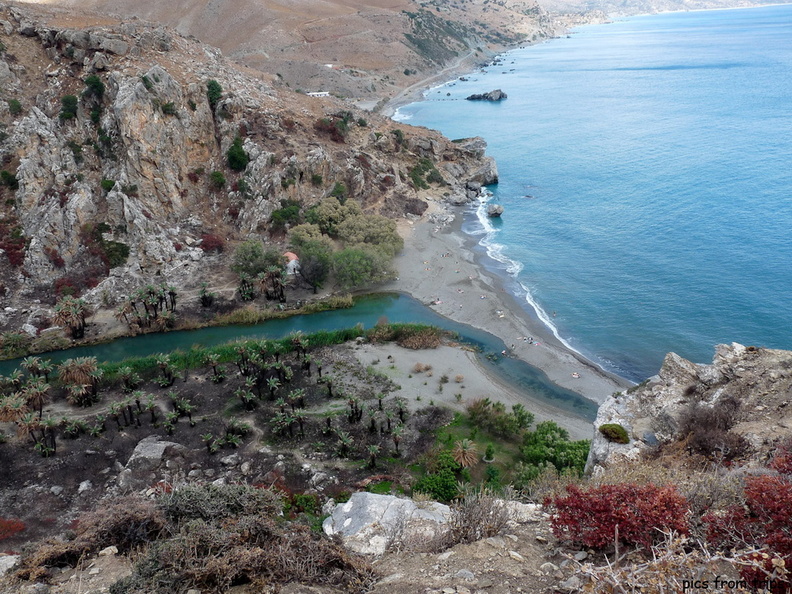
(646, 175)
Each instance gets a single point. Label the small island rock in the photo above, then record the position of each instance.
(496, 95)
(494, 210)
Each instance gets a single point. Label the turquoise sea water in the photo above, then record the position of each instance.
(646, 175)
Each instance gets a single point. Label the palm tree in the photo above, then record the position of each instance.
(32, 365)
(36, 395)
(300, 416)
(344, 443)
(281, 403)
(12, 406)
(27, 424)
(71, 312)
(78, 394)
(465, 453)
(151, 406)
(373, 450)
(45, 368)
(397, 434)
(273, 384)
(77, 370)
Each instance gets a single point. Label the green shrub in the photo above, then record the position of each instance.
(68, 107)
(238, 159)
(108, 184)
(14, 106)
(316, 179)
(615, 433)
(95, 87)
(9, 180)
(287, 214)
(214, 93)
(169, 108)
(217, 179)
(146, 82)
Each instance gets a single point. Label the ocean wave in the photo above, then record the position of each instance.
(513, 268)
(400, 116)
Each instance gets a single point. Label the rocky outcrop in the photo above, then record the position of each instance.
(132, 166)
(496, 95)
(758, 379)
(494, 210)
(369, 523)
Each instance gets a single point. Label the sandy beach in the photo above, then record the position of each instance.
(439, 268)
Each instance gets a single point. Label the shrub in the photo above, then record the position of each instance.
(217, 179)
(9, 528)
(614, 432)
(707, 429)
(237, 158)
(212, 243)
(95, 86)
(214, 93)
(287, 214)
(9, 180)
(169, 108)
(763, 522)
(126, 523)
(441, 483)
(633, 513)
(108, 184)
(316, 179)
(68, 108)
(14, 106)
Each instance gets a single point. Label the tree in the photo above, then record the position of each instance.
(214, 93)
(373, 451)
(315, 262)
(237, 158)
(71, 312)
(465, 453)
(329, 213)
(372, 230)
(300, 234)
(355, 267)
(252, 259)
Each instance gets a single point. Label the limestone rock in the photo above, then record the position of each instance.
(368, 522)
(494, 210)
(149, 456)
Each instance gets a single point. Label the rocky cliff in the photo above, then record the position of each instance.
(745, 385)
(116, 186)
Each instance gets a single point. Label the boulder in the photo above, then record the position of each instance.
(368, 523)
(494, 210)
(496, 95)
(149, 456)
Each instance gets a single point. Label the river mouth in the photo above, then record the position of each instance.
(368, 310)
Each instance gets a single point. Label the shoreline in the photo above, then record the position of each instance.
(440, 268)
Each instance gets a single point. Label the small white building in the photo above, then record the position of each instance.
(318, 94)
(292, 263)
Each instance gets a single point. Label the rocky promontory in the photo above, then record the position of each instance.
(496, 95)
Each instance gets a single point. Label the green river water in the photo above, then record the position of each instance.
(367, 310)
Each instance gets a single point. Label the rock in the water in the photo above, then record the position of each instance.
(496, 95)
(494, 210)
(369, 523)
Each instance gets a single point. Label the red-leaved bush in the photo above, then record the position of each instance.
(764, 521)
(212, 243)
(640, 512)
(9, 528)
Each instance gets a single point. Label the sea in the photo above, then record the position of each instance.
(646, 176)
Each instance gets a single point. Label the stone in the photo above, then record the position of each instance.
(465, 574)
(494, 210)
(109, 551)
(445, 556)
(149, 455)
(368, 523)
(231, 460)
(56, 490)
(580, 555)
(485, 582)
(573, 584)
(84, 486)
(7, 562)
(548, 568)
(516, 556)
